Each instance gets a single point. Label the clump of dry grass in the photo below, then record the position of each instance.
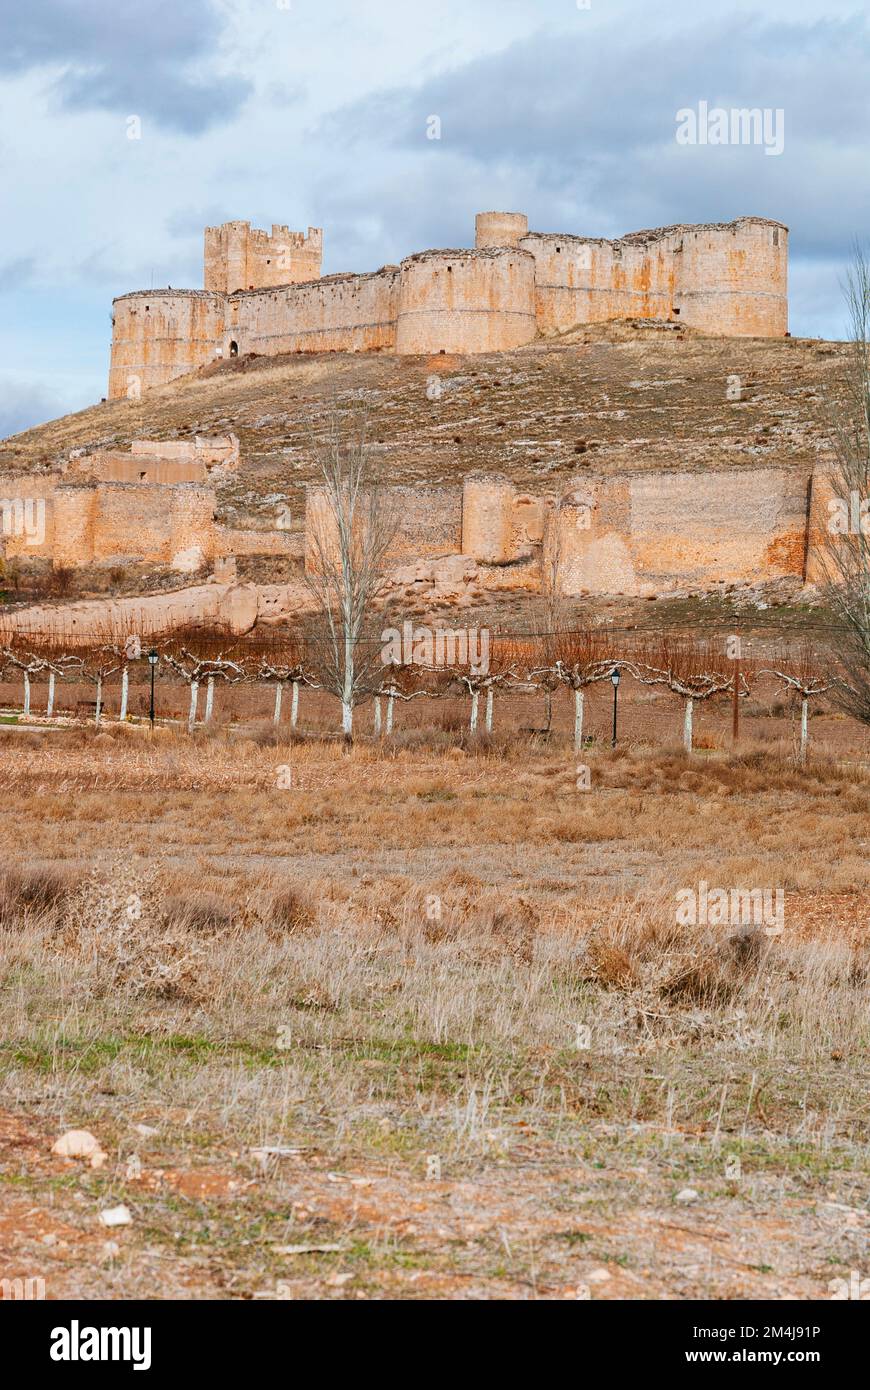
(37, 892)
(288, 911)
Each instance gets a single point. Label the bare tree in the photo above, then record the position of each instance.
(284, 660)
(203, 655)
(350, 534)
(844, 554)
(576, 660)
(694, 670)
(807, 675)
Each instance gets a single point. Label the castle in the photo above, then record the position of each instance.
(264, 294)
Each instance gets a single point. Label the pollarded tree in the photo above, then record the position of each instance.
(97, 661)
(494, 665)
(283, 659)
(577, 660)
(805, 673)
(203, 655)
(400, 682)
(29, 662)
(692, 669)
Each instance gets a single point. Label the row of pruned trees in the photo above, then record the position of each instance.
(573, 660)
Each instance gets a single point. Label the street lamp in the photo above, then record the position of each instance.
(614, 676)
(152, 662)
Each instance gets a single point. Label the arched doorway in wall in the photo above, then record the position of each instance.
(234, 349)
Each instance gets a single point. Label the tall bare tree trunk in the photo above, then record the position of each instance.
(125, 687)
(578, 720)
(194, 701)
(687, 726)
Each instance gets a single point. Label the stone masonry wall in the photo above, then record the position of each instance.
(263, 294)
(239, 257)
(642, 534)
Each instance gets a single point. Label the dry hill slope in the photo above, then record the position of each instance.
(609, 398)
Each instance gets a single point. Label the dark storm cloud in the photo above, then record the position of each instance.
(589, 120)
(133, 58)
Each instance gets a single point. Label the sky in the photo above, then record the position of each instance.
(320, 112)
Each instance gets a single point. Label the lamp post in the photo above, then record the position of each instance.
(152, 662)
(614, 676)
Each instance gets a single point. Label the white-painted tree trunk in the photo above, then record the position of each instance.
(279, 695)
(125, 687)
(26, 692)
(194, 701)
(294, 705)
(391, 705)
(99, 706)
(805, 730)
(49, 709)
(490, 694)
(475, 697)
(378, 715)
(209, 699)
(578, 720)
(687, 726)
(347, 718)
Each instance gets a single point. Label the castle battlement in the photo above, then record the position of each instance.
(264, 294)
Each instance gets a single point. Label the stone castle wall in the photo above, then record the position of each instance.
(264, 294)
(159, 461)
(644, 534)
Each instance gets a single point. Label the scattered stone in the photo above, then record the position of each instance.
(80, 1143)
(116, 1216)
(688, 1194)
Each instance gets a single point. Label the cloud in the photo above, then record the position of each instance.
(25, 404)
(148, 60)
(587, 122)
(14, 274)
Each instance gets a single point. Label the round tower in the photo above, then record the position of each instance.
(466, 301)
(74, 505)
(500, 228)
(487, 518)
(161, 334)
(572, 535)
(732, 279)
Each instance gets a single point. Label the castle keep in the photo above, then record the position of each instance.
(265, 294)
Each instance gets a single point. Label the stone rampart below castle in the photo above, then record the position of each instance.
(638, 534)
(264, 294)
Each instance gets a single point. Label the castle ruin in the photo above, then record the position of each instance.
(265, 294)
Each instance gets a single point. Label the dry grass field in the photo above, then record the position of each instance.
(418, 1020)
